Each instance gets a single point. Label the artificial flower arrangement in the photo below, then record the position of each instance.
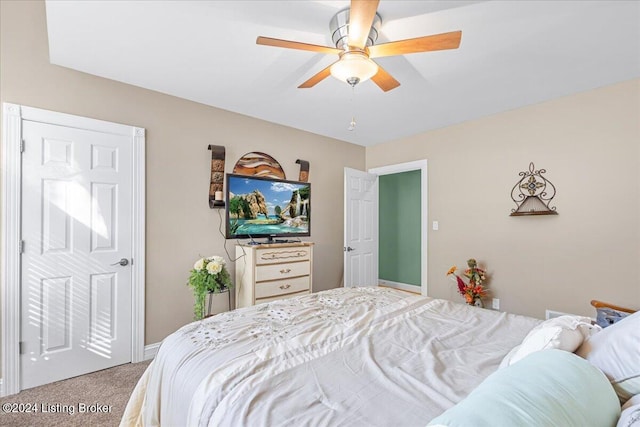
(473, 291)
(208, 275)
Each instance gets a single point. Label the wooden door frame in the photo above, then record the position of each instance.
(10, 281)
(420, 165)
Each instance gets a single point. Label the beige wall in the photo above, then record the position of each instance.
(180, 225)
(589, 144)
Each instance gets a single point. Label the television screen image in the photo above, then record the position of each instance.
(265, 207)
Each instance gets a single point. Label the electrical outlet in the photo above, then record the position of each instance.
(495, 304)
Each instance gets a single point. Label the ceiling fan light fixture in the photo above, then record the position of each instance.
(356, 46)
(352, 66)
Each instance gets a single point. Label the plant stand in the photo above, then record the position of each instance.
(211, 294)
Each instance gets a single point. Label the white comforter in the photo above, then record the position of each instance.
(345, 357)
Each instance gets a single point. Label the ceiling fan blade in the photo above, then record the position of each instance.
(361, 17)
(316, 78)
(268, 41)
(384, 80)
(442, 41)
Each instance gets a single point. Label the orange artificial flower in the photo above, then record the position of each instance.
(474, 289)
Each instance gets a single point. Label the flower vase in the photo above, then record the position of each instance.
(477, 302)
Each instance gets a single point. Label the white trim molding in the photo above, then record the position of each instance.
(13, 115)
(151, 350)
(406, 167)
(11, 226)
(416, 289)
(138, 246)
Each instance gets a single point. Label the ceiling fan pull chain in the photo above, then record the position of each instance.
(352, 124)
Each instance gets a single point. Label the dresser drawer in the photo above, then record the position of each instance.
(281, 297)
(279, 255)
(282, 271)
(282, 287)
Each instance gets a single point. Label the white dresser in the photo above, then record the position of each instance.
(272, 271)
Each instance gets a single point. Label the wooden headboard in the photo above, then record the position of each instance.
(600, 304)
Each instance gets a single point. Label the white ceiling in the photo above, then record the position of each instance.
(513, 53)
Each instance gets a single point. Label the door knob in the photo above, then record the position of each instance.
(349, 249)
(122, 262)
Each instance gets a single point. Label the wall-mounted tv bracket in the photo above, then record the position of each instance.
(217, 176)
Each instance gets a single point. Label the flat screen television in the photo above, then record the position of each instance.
(275, 209)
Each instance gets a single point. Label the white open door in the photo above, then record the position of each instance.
(360, 228)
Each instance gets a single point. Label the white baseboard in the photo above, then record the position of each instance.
(402, 286)
(150, 351)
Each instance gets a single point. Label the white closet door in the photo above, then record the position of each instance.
(76, 226)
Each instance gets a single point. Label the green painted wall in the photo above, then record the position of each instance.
(400, 227)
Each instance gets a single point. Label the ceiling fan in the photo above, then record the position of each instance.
(354, 32)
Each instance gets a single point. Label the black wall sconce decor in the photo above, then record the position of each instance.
(304, 170)
(533, 193)
(216, 196)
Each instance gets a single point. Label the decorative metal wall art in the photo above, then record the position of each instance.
(533, 193)
(217, 176)
(259, 164)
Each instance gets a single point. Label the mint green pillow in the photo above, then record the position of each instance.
(546, 388)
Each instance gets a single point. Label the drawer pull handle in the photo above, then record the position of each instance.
(285, 270)
(285, 287)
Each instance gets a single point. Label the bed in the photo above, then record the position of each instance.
(344, 357)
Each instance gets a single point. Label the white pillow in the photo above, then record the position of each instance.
(616, 352)
(564, 333)
(506, 361)
(630, 416)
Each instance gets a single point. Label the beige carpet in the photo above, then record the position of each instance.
(76, 401)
